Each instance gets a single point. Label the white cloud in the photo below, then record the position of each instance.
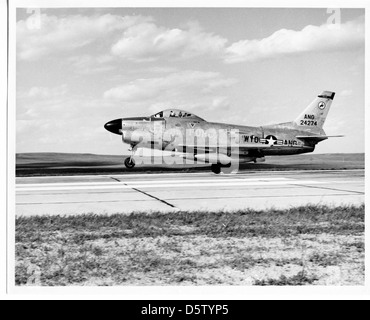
(194, 91)
(90, 64)
(170, 85)
(25, 127)
(346, 93)
(136, 38)
(44, 134)
(158, 69)
(47, 93)
(41, 102)
(141, 39)
(149, 42)
(59, 102)
(61, 34)
(328, 37)
(221, 102)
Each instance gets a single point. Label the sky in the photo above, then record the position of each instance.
(80, 68)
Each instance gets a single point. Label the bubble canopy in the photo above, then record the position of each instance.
(176, 113)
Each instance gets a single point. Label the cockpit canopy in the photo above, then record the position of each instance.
(176, 113)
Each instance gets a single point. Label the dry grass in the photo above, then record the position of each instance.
(314, 245)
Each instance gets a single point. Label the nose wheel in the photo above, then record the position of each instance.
(129, 163)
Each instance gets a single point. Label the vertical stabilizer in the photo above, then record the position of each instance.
(314, 116)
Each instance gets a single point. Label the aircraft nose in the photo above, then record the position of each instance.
(114, 126)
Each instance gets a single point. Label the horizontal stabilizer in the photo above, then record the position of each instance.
(316, 138)
(327, 95)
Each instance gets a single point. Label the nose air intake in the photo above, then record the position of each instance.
(114, 126)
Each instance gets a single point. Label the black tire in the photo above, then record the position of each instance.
(216, 169)
(129, 163)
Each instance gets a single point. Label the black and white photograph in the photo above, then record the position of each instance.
(191, 146)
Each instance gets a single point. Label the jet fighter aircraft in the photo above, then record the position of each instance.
(219, 144)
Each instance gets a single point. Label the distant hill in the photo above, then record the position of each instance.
(84, 163)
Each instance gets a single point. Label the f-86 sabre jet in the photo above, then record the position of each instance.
(220, 144)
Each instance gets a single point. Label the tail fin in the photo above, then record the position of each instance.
(314, 116)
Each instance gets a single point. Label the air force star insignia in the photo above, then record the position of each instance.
(271, 140)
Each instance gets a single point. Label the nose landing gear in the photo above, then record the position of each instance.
(130, 162)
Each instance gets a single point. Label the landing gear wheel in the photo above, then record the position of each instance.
(129, 163)
(216, 169)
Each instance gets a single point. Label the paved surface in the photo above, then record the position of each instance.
(193, 191)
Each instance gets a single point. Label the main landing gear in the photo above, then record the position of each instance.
(224, 168)
(130, 162)
(216, 168)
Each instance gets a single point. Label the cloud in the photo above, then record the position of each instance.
(194, 91)
(40, 102)
(141, 39)
(149, 42)
(89, 64)
(221, 102)
(346, 93)
(44, 134)
(169, 85)
(328, 37)
(47, 93)
(136, 38)
(61, 34)
(59, 102)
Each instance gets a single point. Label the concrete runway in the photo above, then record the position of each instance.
(186, 191)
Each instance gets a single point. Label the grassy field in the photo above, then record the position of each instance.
(313, 245)
(35, 164)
